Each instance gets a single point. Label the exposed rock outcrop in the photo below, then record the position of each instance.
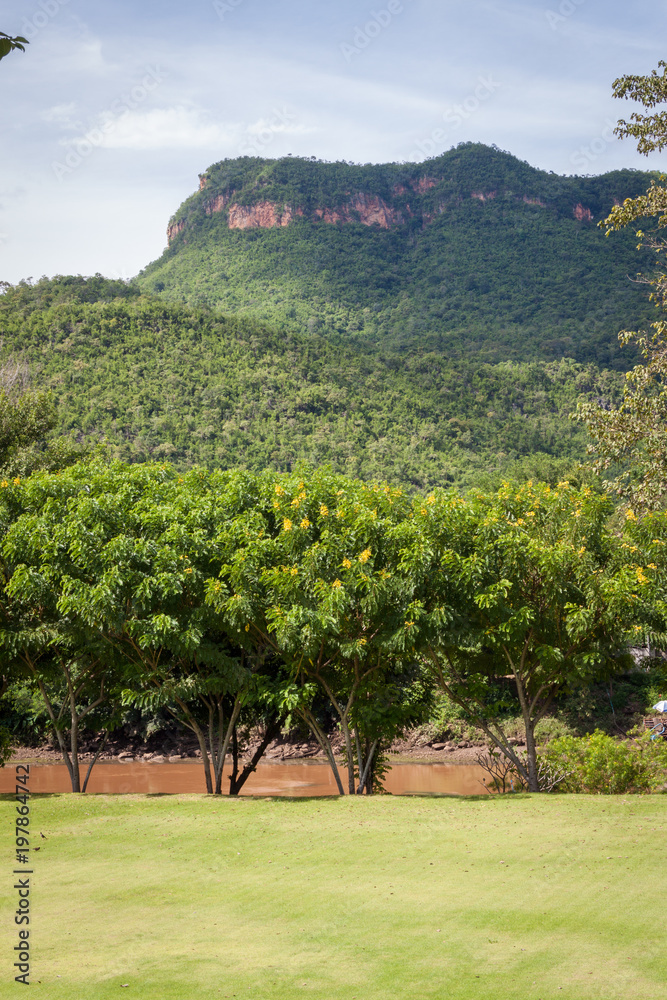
(216, 204)
(264, 214)
(582, 214)
(174, 229)
(365, 208)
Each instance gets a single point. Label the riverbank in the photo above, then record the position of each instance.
(415, 748)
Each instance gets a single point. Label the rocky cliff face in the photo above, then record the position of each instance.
(369, 210)
(264, 214)
(174, 229)
(268, 194)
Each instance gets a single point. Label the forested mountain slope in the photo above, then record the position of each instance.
(472, 254)
(158, 379)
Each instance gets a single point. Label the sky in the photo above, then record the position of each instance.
(116, 107)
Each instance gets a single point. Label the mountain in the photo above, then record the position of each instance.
(160, 380)
(473, 253)
(427, 323)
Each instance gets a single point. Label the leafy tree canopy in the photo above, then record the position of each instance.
(631, 440)
(9, 44)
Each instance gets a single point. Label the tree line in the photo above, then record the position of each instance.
(222, 596)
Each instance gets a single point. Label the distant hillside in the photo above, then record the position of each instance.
(472, 253)
(160, 380)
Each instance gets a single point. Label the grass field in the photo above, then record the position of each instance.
(506, 898)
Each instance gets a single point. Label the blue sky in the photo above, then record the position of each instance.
(116, 107)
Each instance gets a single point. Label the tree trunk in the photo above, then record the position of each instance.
(60, 739)
(237, 783)
(94, 760)
(235, 760)
(219, 762)
(74, 742)
(529, 726)
(321, 738)
(366, 776)
(350, 754)
(201, 740)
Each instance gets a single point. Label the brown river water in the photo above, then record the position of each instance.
(300, 778)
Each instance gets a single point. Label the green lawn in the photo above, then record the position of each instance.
(387, 898)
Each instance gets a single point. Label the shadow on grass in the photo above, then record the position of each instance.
(511, 796)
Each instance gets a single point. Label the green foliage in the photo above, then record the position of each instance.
(529, 585)
(9, 44)
(515, 277)
(649, 130)
(155, 380)
(27, 416)
(600, 765)
(631, 440)
(226, 596)
(23, 714)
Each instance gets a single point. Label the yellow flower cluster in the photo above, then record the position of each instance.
(324, 510)
(305, 523)
(365, 556)
(287, 524)
(4, 483)
(188, 569)
(430, 500)
(346, 563)
(641, 576)
(279, 490)
(336, 584)
(630, 515)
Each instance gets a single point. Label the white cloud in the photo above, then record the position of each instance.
(165, 128)
(175, 128)
(63, 115)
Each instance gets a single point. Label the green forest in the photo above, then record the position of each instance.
(152, 379)
(514, 277)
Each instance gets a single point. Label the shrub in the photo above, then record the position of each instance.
(599, 765)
